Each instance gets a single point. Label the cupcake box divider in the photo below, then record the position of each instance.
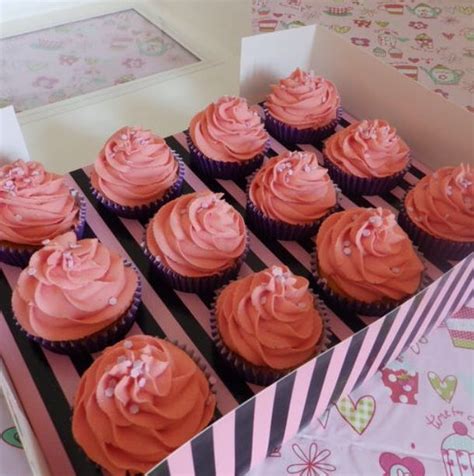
(254, 421)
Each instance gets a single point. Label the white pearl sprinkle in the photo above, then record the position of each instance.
(290, 172)
(135, 372)
(212, 380)
(46, 242)
(142, 382)
(124, 137)
(31, 304)
(365, 232)
(73, 193)
(18, 217)
(121, 359)
(113, 301)
(346, 243)
(375, 220)
(109, 392)
(31, 271)
(277, 271)
(128, 343)
(306, 168)
(449, 191)
(395, 269)
(347, 251)
(35, 173)
(134, 409)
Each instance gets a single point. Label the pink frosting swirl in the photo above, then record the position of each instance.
(228, 131)
(138, 402)
(368, 149)
(197, 235)
(365, 255)
(269, 318)
(293, 188)
(72, 289)
(304, 101)
(34, 204)
(442, 204)
(135, 167)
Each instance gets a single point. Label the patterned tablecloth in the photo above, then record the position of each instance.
(415, 418)
(431, 42)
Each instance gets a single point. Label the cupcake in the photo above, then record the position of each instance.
(364, 262)
(367, 157)
(76, 296)
(290, 196)
(457, 450)
(227, 139)
(197, 242)
(35, 205)
(438, 213)
(138, 402)
(266, 324)
(302, 109)
(136, 173)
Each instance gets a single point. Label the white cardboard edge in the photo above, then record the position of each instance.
(12, 142)
(438, 131)
(28, 439)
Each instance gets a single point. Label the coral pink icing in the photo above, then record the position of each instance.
(139, 401)
(34, 204)
(303, 100)
(365, 255)
(269, 318)
(293, 188)
(135, 167)
(368, 149)
(442, 204)
(228, 131)
(197, 235)
(72, 289)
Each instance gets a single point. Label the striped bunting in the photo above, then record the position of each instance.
(278, 412)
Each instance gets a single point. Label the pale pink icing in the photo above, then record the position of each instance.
(72, 289)
(304, 101)
(293, 188)
(34, 204)
(228, 131)
(370, 148)
(365, 255)
(197, 235)
(138, 402)
(442, 204)
(135, 167)
(269, 318)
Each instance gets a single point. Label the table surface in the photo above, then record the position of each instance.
(396, 423)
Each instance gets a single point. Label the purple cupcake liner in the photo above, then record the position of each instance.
(188, 284)
(148, 210)
(223, 170)
(287, 134)
(20, 256)
(97, 341)
(352, 306)
(430, 245)
(259, 375)
(352, 185)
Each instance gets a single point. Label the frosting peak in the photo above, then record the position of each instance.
(269, 318)
(369, 148)
(135, 167)
(197, 235)
(293, 188)
(442, 204)
(365, 255)
(228, 131)
(34, 204)
(304, 100)
(72, 289)
(139, 401)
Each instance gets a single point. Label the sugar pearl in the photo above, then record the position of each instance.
(449, 191)
(375, 220)
(346, 243)
(277, 271)
(136, 372)
(31, 271)
(35, 173)
(141, 382)
(395, 269)
(134, 409)
(46, 242)
(212, 380)
(127, 343)
(18, 217)
(109, 392)
(113, 301)
(306, 168)
(124, 137)
(365, 232)
(347, 251)
(121, 359)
